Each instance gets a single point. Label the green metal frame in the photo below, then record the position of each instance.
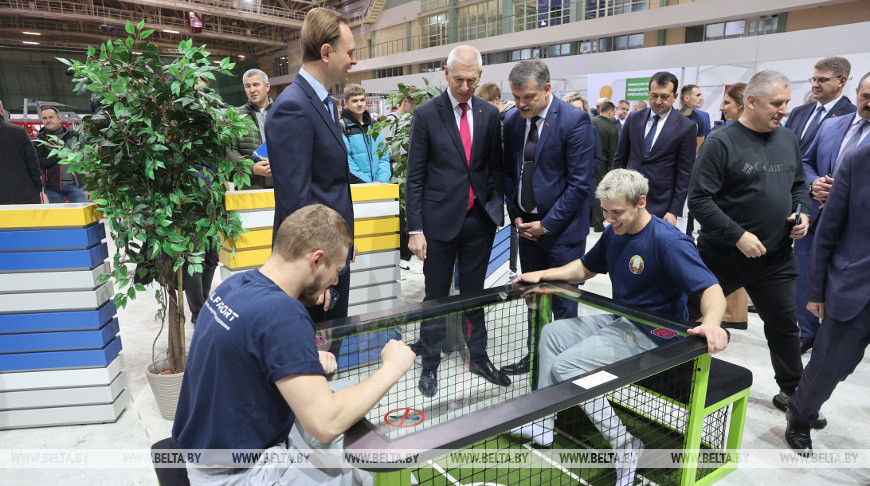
(697, 412)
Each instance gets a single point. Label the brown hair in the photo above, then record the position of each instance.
(352, 90)
(735, 92)
(311, 228)
(687, 90)
(840, 66)
(488, 92)
(321, 26)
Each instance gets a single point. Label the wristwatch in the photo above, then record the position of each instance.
(546, 231)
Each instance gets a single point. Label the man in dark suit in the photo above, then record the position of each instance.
(306, 152)
(20, 181)
(829, 78)
(659, 143)
(838, 292)
(835, 137)
(454, 199)
(549, 150)
(621, 113)
(608, 136)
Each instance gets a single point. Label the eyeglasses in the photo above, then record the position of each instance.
(822, 80)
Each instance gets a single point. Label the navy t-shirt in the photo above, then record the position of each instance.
(702, 121)
(249, 335)
(655, 269)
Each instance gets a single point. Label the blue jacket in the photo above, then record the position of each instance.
(362, 150)
(564, 176)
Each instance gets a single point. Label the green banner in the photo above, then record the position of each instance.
(637, 89)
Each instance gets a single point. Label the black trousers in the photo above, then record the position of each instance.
(198, 286)
(838, 349)
(472, 247)
(769, 281)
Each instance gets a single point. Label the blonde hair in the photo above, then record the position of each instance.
(622, 183)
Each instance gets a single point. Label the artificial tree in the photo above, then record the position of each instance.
(154, 155)
(397, 130)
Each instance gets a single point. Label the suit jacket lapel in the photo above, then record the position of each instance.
(320, 109)
(445, 110)
(549, 124)
(477, 141)
(665, 132)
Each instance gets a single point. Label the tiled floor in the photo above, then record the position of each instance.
(140, 425)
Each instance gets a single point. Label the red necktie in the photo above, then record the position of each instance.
(465, 135)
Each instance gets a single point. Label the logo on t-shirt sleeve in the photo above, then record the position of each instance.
(635, 264)
(319, 341)
(664, 333)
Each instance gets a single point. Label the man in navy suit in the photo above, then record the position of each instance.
(620, 114)
(454, 199)
(304, 139)
(549, 151)
(835, 137)
(659, 143)
(829, 78)
(838, 292)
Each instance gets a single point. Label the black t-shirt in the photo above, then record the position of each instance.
(745, 180)
(249, 335)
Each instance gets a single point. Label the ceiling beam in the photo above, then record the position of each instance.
(88, 18)
(272, 15)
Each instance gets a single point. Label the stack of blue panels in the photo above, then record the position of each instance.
(60, 359)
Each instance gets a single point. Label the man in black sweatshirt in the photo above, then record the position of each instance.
(745, 188)
(60, 183)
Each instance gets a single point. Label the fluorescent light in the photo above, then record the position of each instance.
(136, 52)
(170, 31)
(31, 43)
(241, 56)
(31, 33)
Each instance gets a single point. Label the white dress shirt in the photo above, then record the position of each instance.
(543, 115)
(828, 107)
(457, 113)
(649, 123)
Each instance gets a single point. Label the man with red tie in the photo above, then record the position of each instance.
(454, 201)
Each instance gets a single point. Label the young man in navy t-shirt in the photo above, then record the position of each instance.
(254, 369)
(651, 265)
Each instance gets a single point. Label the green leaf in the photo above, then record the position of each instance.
(141, 24)
(146, 33)
(129, 27)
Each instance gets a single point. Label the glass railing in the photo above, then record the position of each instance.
(575, 11)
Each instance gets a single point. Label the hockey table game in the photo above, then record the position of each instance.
(461, 435)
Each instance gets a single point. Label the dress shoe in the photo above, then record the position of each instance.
(780, 401)
(797, 435)
(806, 344)
(521, 367)
(735, 325)
(428, 383)
(485, 369)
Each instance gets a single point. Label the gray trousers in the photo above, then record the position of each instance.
(327, 457)
(570, 347)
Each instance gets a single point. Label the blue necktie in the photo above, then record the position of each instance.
(648, 141)
(329, 108)
(811, 128)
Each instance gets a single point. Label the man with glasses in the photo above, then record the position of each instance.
(829, 78)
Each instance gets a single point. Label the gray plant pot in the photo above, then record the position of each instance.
(166, 388)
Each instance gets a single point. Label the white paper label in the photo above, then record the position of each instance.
(594, 380)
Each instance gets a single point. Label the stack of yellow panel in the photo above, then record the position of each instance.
(374, 283)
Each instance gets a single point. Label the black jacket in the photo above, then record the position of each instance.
(19, 168)
(50, 165)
